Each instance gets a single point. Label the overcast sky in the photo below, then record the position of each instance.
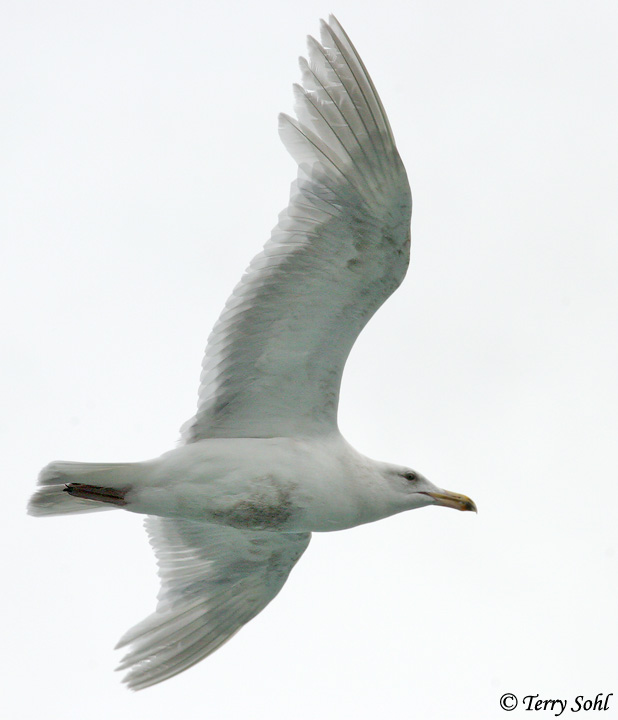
(141, 171)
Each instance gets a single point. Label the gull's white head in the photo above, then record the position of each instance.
(409, 489)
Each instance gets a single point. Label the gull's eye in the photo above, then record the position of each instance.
(410, 475)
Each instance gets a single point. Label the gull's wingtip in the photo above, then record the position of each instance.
(333, 22)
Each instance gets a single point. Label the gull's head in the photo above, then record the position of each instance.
(413, 490)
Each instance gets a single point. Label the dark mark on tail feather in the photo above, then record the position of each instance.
(113, 496)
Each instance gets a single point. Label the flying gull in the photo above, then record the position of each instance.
(262, 464)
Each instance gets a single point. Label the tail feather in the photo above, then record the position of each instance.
(74, 487)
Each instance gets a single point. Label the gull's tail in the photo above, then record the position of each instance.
(74, 487)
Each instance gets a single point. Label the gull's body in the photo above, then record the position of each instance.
(262, 464)
(278, 484)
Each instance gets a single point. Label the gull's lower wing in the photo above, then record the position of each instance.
(214, 579)
(274, 360)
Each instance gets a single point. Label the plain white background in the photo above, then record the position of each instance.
(141, 170)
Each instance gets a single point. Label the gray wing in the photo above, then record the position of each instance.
(274, 360)
(214, 579)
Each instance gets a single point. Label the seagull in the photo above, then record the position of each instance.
(262, 464)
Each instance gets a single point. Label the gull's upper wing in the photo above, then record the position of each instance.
(214, 579)
(275, 357)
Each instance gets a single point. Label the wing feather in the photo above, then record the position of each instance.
(275, 357)
(214, 579)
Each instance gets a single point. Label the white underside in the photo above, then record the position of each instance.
(284, 484)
